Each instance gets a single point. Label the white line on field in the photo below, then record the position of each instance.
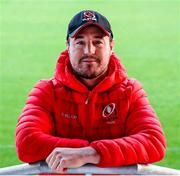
(173, 149)
(7, 145)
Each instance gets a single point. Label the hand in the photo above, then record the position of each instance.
(62, 158)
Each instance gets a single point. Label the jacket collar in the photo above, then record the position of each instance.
(63, 73)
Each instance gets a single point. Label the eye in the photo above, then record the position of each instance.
(80, 42)
(98, 42)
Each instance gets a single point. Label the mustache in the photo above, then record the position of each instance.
(89, 56)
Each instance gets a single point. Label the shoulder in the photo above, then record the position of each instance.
(132, 88)
(41, 95)
(130, 84)
(43, 86)
(44, 83)
(135, 90)
(134, 83)
(47, 84)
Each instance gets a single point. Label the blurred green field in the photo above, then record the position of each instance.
(147, 37)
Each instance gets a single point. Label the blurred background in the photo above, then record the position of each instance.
(147, 39)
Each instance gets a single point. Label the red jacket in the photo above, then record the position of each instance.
(115, 118)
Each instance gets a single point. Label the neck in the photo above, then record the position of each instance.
(91, 83)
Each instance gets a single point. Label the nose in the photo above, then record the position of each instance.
(89, 48)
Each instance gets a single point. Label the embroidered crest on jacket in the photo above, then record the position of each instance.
(109, 113)
(108, 110)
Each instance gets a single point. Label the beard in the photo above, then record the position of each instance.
(89, 70)
(90, 74)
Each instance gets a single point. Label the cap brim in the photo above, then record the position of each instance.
(74, 33)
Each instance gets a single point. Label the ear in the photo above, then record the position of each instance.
(112, 44)
(67, 45)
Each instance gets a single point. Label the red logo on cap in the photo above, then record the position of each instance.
(89, 16)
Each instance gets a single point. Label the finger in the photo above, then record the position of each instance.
(61, 168)
(52, 159)
(50, 156)
(56, 162)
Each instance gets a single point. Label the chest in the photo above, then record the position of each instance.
(90, 116)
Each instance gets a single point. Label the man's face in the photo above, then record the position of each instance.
(90, 52)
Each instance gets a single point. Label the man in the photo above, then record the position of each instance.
(90, 111)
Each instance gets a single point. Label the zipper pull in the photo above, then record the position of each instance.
(87, 99)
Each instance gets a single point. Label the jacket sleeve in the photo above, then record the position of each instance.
(144, 141)
(35, 133)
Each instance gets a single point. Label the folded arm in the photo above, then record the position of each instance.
(35, 138)
(144, 141)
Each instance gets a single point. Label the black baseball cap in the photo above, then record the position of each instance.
(86, 18)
